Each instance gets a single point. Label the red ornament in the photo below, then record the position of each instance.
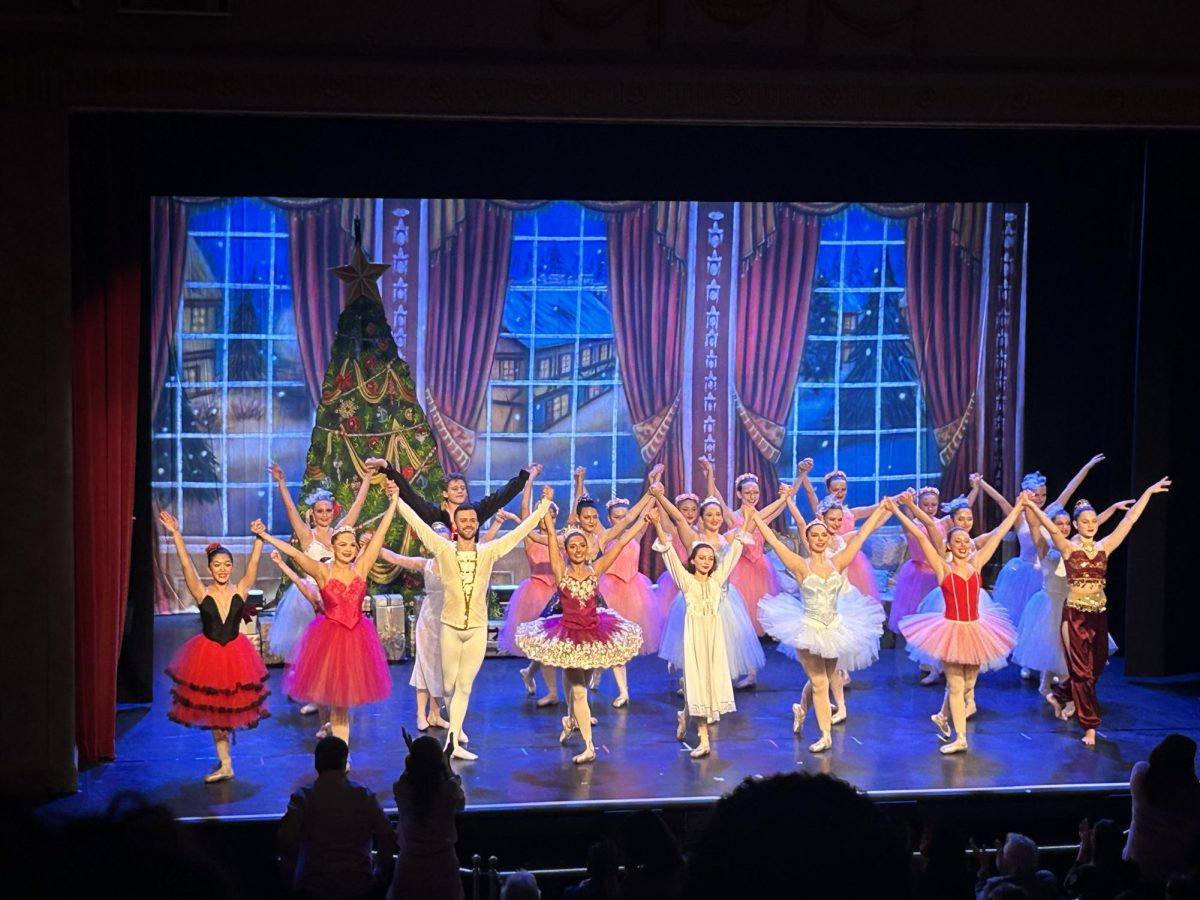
(369, 363)
(371, 329)
(344, 381)
(375, 442)
(353, 424)
(408, 472)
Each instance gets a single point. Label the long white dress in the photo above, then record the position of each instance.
(829, 622)
(708, 685)
(427, 640)
(293, 613)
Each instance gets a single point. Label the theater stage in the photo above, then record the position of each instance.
(887, 747)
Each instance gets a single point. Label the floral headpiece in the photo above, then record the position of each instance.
(829, 502)
(215, 548)
(1055, 509)
(571, 531)
(617, 501)
(959, 502)
(928, 489)
(686, 495)
(342, 529)
(835, 475)
(743, 478)
(1033, 481)
(709, 501)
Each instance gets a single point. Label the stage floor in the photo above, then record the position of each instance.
(887, 746)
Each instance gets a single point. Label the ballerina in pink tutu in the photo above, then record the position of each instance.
(916, 577)
(529, 600)
(753, 576)
(339, 661)
(966, 636)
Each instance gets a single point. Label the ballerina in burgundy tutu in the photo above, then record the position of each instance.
(339, 661)
(220, 680)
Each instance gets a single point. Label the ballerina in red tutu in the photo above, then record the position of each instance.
(220, 681)
(966, 637)
(339, 661)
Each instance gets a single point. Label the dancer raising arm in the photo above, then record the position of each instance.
(583, 636)
(708, 692)
(965, 637)
(829, 629)
(1085, 616)
(220, 681)
(339, 661)
(454, 495)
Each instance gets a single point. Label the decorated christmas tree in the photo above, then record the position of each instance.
(369, 408)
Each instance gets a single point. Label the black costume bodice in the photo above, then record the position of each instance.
(211, 625)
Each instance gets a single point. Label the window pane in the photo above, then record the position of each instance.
(556, 311)
(895, 314)
(203, 310)
(898, 361)
(823, 313)
(162, 464)
(858, 411)
(858, 362)
(250, 311)
(247, 411)
(201, 361)
(202, 412)
(246, 505)
(829, 266)
(250, 261)
(896, 260)
(509, 407)
(863, 225)
(558, 262)
(291, 409)
(814, 411)
(596, 454)
(202, 512)
(554, 452)
(898, 409)
(520, 269)
(856, 455)
(817, 364)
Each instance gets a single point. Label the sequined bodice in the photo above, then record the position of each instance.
(213, 626)
(578, 598)
(343, 602)
(962, 596)
(820, 596)
(538, 556)
(1081, 568)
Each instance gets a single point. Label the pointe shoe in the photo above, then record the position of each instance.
(594, 680)
(220, 773)
(463, 739)
(588, 755)
(942, 724)
(670, 667)
(548, 700)
(460, 752)
(567, 727)
(822, 745)
(700, 752)
(839, 717)
(798, 714)
(679, 692)
(931, 678)
(436, 721)
(527, 680)
(324, 731)
(750, 682)
(959, 746)
(845, 676)
(680, 725)
(308, 709)
(621, 701)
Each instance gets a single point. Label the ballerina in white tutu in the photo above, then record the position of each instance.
(826, 629)
(966, 636)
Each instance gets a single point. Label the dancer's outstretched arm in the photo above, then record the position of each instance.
(846, 555)
(687, 534)
(601, 565)
(710, 485)
(795, 563)
(299, 527)
(997, 497)
(300, 581)
(1119, 506)
(557, 566)
(250, 576)
(190, 579)
(318, 570)
(1061, 544)
(666, 547)
(1113, 540)
(909, 501)
(984, 551)
(935, 559)
(351, 517)
(1073, 485)
(369, 554)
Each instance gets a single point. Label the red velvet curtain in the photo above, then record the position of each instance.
(773, 293)
(468, 281)
(944, 250)
(647, 284)
(106, 352)
(168, 249)
(317, 243)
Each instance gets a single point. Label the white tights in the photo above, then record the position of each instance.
(463, 650)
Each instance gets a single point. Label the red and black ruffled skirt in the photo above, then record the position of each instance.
(218, 687)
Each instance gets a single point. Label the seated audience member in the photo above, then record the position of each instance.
(520, 885)
(1166, 810)
(944, 872)
(428, 797)
(1017, 866)
(1099, 872)
(602, 882)
(326, 835)
(776, 836)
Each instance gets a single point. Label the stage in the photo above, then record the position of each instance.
(887, 747)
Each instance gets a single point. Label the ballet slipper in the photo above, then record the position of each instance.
(462, 753)
(942, 724)
(548, 700)
(822, 745)
(527, 680)
(839, 717)
(958, 746)
(567, 727)
(308, 709)
(463, 739)
(621, 701)
(750, 682)
(798, 713)
(1026, 673)
(701, 751)
(680, 725)
(220, 773)
(931, 678)
(588, 755)
(324, 731)
(594, 680)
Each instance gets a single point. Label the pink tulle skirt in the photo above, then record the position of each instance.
(339, 666)
(861, 574)
(666, 590)
(914, 581)
(218, 687)
(755, 579)
(525, 605)
(636, 601)
(985, 642)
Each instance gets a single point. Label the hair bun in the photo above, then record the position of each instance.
(215, 545)
(1082, 503)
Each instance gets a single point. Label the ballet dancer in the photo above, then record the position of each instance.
(916, 577)
(1085, 613)
(827, 630)
(455, 494)
(584, 636)
(861, 573)
(708, 691)
(966, 636)
(688, 506)
(220, 680)
(465, 567)
(1039, 645)
(314, 531)
(292, 618)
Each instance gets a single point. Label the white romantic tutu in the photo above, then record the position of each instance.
(293, 614)
(1039, 641)
(852, 637)
(1017, 582)
(742, 647)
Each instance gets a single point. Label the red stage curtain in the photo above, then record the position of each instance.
(944, 249)
(317, 243)
(773, 292)
(169, 249)
(647, 284)
(469, 255)
(105, 344)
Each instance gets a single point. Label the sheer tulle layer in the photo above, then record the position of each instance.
(293, 615)
(218, 687)
(913, 582)
(339, 666)
(852, 637)
(1017, 582)
(613, 641)
(985, 642)
(743, 650)
(525, 605)
(634, 600)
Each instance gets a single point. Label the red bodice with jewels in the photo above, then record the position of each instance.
(578, 600)
(343, 602)
(962, 596)
(1082, 568)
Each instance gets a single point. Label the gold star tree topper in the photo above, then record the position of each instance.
(361, 276)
